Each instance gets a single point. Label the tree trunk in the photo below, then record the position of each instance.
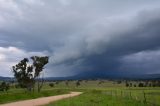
(40, 84)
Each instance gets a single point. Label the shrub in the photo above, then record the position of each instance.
(119, 82)
(51, 84)
(4, 86)
(127, 84)
(140, 85)
(78, 83)
(67, 83)
(130, 84)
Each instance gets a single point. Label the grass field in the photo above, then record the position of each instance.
(108, 93)
(97, 98)
(114, 97)
(19, 94)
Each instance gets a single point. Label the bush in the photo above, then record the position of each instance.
(158, 84)
(78, 83)
(130, 84)
(140, 85)
(127, 84)
(17, 86)
(119, 82)
(51, 84)
(4, 86)
(100, 82)
(67, 83)
(57, 82)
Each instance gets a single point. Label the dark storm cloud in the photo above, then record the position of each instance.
(143, 37)
(144, 61)
(86, 36)
(141, 33)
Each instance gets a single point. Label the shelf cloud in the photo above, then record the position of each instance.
(106, 37)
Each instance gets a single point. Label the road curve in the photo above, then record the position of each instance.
(42, 101)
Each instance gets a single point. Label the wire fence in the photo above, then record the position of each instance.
(140, 96)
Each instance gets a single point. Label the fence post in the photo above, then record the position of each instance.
(130, 95)
(111, 93)
(145, 100)
(116, 94)
(121, 94)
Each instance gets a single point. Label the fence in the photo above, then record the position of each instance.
(140, 96)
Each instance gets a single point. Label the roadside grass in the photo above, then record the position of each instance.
(18, 95)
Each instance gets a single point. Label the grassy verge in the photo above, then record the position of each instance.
(21, 95)
(97, 98)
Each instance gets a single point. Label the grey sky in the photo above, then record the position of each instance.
(80, 36)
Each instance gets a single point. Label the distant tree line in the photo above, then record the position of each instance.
(155, 83)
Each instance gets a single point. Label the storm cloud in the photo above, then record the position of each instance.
(82, 36)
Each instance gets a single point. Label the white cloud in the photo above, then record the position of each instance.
(65, 2)
(11, 55)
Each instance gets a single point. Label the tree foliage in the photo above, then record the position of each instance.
(51, 84)
(27, 73)
(4, 86)
(78, 83)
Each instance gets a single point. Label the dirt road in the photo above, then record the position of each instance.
(42, 101)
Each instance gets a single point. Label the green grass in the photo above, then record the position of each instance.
(108, 93)
(18, 95)
(97, 98)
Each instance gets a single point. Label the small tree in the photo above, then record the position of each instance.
(158, 83)
(127, 84)
(140, 85)
(57, 82)
(153, 83)
(67, 83)
(51, 84)
(27, 74)
(146, 84)
(100, 82)
(130, 85)
(78, 83)
(4, 86)
(119, 82)
(86, 81)
(7, 87)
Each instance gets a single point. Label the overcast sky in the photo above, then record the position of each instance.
(96, 37)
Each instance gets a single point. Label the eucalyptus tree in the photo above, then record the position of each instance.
(27, 74)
